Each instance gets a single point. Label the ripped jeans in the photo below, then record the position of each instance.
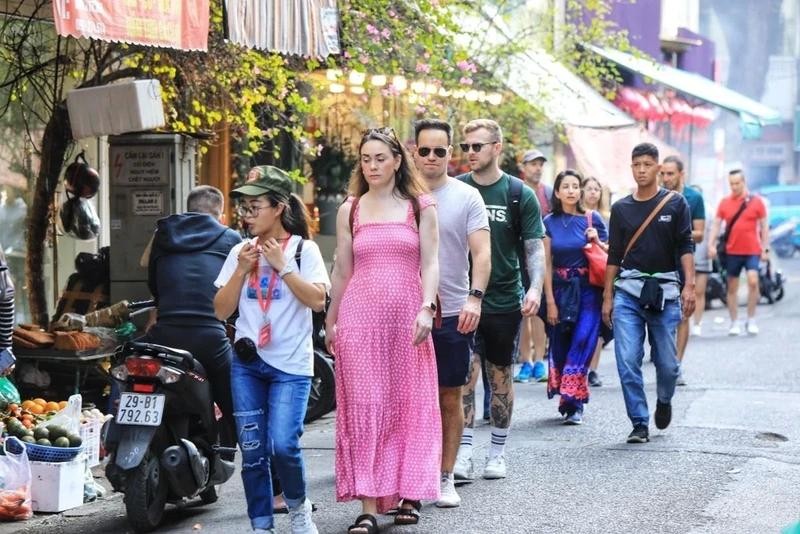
(269, 407)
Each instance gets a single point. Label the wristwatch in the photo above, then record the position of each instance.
(477, 293)
(430, 305)
(288, 268)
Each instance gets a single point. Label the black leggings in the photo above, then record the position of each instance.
(210, 345)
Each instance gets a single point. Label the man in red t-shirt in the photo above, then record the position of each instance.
(747, 244)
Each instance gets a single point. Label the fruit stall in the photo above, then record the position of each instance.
(48, 450)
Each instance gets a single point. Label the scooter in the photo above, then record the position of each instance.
(162, 440)
(781, 239)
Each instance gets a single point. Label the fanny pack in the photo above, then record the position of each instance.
(652, 296)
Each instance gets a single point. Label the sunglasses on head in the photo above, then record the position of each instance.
(385, 130)
(476, 147)
(425, 151)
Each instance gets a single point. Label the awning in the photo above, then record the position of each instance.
(537, 77)
(308, 28)
(606, 154)
(181, 24)
(694, 85)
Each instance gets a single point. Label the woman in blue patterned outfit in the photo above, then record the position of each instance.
(573, 306)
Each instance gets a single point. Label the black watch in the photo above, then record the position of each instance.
(477, 293)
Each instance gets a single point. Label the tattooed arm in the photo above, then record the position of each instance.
(534, 261)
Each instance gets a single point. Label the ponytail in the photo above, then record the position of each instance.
(295, 217)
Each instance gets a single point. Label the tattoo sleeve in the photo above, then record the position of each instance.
(534, 261)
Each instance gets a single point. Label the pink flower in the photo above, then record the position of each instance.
(390, 90)
(363, 58)
(466, 66)
(420, 109)
(423, 67)
(386, 33)
(392, 13)
(465, 80)
(372, 30)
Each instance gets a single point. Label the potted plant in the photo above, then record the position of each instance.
(331, 169)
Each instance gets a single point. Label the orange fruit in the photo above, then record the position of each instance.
(37, 409)
(51, 407)
(40, 401)
(13, 407)
(27, 404)
(62, 405)
(27, 417)
(27, 423)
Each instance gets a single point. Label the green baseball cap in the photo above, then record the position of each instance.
(265, 179)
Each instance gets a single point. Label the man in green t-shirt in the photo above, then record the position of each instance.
(673, 178)
(504, 304)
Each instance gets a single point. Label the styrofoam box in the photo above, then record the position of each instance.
(90, 436)
(57, 486)
(131, 106)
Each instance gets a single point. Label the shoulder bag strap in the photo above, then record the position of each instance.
(353, 207)
(589, 218)
(299, 253)
(647, 221)
(737, 215)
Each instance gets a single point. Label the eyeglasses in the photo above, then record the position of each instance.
(385, 130)
(250, 211)
(425, 151)
(476, 147)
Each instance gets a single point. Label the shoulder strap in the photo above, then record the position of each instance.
(646, 222)
(415, 207)
(298, 253)
(514, 201)
(589, 218)
(353, 207)
(738, 214)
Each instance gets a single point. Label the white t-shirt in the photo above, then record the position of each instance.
(291, 347)
(461, 211)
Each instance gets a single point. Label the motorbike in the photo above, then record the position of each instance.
(771, 283)
(162, 441)
(322, 398)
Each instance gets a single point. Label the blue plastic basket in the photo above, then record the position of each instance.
(43, 453)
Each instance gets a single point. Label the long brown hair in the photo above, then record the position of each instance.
(406, 181)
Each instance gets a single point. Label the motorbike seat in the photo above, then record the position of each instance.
(152, 349)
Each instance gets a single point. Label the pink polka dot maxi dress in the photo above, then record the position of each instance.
(388, 427)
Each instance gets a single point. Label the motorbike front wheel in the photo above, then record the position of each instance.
(322, 397)
(146, 496)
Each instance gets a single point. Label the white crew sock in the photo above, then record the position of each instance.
(465, 448)
(499, 436)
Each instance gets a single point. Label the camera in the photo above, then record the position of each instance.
(246, 350)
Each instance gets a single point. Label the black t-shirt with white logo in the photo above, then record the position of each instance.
(664, 241)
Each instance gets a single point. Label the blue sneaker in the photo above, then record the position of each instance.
(525, 372)
(540, 372)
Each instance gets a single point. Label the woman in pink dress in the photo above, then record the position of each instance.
(388, 429)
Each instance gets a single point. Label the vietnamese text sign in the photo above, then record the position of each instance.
(148, 203)
(139, 165)
(179, 24)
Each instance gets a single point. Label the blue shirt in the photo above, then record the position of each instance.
(567, 235)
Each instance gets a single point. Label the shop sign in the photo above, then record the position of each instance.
(768, 153)
(181, 24)
(139, 165)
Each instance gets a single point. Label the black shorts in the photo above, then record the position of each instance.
(496, 337)
(453, 353)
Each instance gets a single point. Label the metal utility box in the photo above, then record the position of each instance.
(150, 177)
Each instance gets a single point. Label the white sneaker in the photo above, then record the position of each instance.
(735, 330)
(751, 327)
(300, 519)
(465, 467)
(495, 467)
(696, 330)
(448, 496)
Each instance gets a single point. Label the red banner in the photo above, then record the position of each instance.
(179, 24)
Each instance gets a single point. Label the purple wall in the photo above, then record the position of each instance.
(642, 19)
(698, 59)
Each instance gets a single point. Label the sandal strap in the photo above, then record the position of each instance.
(359, 523)
(416, 506)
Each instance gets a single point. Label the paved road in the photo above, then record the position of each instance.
(729, 463)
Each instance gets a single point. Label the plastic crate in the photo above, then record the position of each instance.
(90, 435)
(42, 453)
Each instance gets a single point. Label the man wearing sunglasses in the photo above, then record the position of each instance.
(463, 232)
(505, 302)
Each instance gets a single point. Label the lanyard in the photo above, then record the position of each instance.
(265, 302)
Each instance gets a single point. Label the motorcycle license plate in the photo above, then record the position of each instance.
(140, 409)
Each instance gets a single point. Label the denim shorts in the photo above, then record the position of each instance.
(736, 262)
(453, 353)
(496, 337)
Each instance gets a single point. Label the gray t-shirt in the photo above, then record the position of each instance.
(461, 212)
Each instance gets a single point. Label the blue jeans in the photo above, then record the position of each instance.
(630, 321)
(269, 407)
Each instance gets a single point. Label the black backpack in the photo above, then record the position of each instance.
(514, 222)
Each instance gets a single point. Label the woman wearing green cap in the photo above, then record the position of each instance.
(271, 373)
(388, 426)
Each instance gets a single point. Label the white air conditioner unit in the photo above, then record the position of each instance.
(132, 106)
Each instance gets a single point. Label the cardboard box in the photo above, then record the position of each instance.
(130, 106)
(57, 486)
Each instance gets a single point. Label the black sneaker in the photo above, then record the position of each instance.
(594, 379)
(663, 415)
(639, 434)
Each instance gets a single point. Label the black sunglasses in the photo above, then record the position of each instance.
(424, 151)
(476, 147)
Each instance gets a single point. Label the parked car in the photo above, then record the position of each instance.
(784, 205)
